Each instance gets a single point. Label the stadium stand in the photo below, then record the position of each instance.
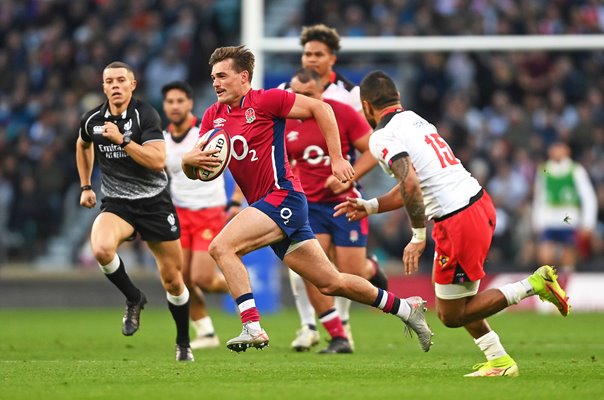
(499, 111)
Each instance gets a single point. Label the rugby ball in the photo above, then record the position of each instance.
(218, 139)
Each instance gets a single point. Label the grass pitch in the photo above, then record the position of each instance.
(81, 354)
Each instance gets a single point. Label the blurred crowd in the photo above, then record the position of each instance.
(52, 53)
(498, 111)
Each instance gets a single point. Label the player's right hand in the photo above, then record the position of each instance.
(336, 186)
(201, 158)
(342, 169)
(411, 255)
(88, 199)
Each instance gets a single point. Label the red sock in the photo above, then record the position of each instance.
(332, 323)
(247, 308)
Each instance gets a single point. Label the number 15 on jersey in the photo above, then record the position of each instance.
(441, 148)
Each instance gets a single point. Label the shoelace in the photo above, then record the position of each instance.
(408, 331)
(130, 311)
(479, 365)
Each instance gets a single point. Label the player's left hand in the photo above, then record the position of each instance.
(201, 158)
(342, 169)
(411, 256)
(353, 209)
(335, 185)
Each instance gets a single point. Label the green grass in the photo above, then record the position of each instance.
(81, 354)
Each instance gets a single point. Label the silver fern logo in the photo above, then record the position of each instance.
(128, 128)
(172, 221)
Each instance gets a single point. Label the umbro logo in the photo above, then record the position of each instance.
(218, 122)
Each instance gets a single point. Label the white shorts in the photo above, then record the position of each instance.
(456, 290)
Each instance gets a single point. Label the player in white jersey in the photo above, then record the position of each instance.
(434, 185)
(201, 208)
(320, 44)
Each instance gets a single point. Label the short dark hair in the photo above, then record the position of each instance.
(179, 85)
(243, 58)
(379, 90)
(321, 33)
(120, 64)
(306, 75)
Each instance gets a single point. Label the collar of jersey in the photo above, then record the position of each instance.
(229, 109)
(124, 115)
(387, 117)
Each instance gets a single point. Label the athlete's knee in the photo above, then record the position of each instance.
(172, 282)
(203, 281)
(103, 253)
(219, 249)
(331, 287)
(451, 320)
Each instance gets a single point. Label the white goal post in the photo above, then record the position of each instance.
(252, 34)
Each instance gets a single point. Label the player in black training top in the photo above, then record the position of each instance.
(125, 136)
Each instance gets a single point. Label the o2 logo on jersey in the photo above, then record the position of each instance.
(315, 155)
(240, 151)
(286, 214)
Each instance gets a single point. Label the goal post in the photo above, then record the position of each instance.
(252, 34)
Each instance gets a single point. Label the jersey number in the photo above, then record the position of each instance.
(442, 150)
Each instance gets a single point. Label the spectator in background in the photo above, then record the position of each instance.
(165, 68)
(564, 209)
(430, 85)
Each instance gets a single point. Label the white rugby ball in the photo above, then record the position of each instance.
(219, 139)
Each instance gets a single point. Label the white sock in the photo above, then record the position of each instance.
(490, 345)
(343, 308)
(180, 299)
(254, 326)
(404, 310)
(204, 326)
(305, 309)
(514, 292)
(112, 266)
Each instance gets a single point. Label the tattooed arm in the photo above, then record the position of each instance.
(414, 202)
(410, 191)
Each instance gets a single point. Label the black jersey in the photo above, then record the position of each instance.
(122, 177)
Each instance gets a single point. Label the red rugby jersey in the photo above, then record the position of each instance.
(259, 162)
(306, 145)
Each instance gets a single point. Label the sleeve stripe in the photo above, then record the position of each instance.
(86, 124)
(396, 157)
(153, 140)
